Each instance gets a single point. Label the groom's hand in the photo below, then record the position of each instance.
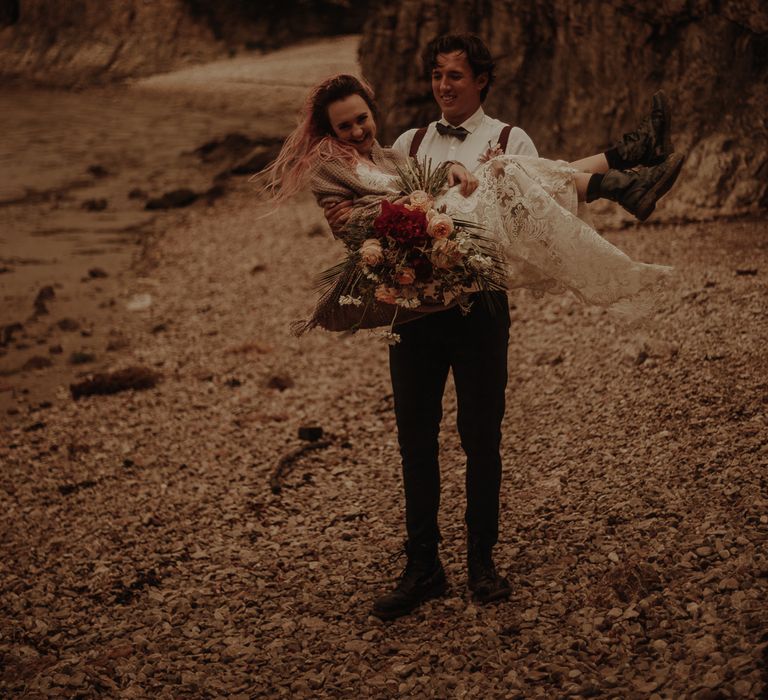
(337, 214)
(458, 174)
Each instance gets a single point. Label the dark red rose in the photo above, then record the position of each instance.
(402, 225)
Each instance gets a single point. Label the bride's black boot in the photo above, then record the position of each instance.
(422, 580)
(636, 190)
(650, 143)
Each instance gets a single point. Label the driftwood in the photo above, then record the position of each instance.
(286, 462)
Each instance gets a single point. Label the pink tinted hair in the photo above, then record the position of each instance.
(313, 140)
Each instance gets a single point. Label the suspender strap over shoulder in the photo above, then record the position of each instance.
(504, 137)
(418, 137)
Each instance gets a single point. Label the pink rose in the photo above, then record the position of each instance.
(370, 251)
(386, 294)
(406, 276)
(440, 226)
(445, 254)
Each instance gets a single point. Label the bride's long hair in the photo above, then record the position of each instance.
(313, 140)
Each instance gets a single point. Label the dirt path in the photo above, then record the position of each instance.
(145, 555)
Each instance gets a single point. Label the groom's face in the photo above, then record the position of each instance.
(455, 87)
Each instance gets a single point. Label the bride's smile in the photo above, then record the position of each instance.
(353, 123)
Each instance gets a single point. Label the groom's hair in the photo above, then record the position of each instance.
(477, 53)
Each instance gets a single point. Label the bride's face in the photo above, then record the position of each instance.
(353, 123)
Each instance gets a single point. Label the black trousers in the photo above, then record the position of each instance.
(475, 348)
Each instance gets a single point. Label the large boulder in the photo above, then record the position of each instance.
(576, 74)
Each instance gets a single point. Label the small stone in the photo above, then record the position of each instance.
(98, 171)
(403, 670)
(357, 646)
(139, 302)
(702, 646)
(36, 362)
(742, 688)
(97, 273)
(713, 678)
(94, 204)
(6, 333)
(311, 433)
(45, 294)
(703, 551)
(68, 324)
(281, 382)
(645, 686)
(173, 200)
(81, 358)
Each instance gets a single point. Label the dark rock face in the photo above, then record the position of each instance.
(577, 75)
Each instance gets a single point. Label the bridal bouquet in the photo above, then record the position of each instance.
(415, 256)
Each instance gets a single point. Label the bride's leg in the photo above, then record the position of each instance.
(582, 184)
(592, 164)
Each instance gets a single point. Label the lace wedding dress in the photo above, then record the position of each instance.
(529, 208)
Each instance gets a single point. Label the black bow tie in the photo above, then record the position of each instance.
(445, 130)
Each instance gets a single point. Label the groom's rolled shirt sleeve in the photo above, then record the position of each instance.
(520, 144)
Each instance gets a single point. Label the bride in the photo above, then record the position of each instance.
(528, 206)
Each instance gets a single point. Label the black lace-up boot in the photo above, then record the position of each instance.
(484, 581)
(636, 190)
(650, 143)
(422, 580)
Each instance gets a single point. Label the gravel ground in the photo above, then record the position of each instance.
(145, 554)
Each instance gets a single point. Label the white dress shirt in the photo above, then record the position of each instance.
(484, 132)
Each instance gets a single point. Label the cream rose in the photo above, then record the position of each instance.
(445, 254)
(440, 226)
(370, 251)
(419, 199)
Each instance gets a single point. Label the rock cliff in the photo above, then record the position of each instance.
(576, 74)
(82, 42)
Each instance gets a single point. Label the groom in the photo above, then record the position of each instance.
(473, 346)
